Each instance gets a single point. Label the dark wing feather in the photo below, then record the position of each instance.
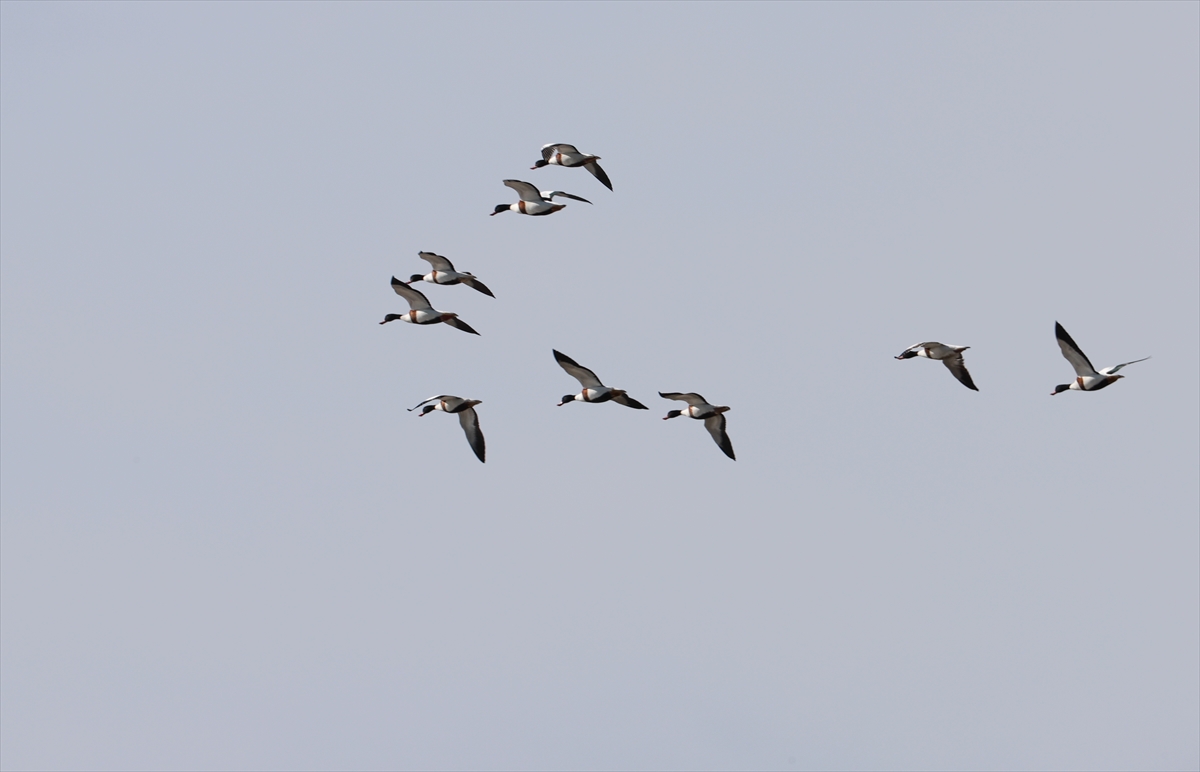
(716, 427)
(525, 190)
(476, 284)
(469, 420)
(554, 193)
(416, 300)
(557, 147)
(586, 377)
(598, 173)
(438, 262)
(692, 398)
(431, 399)
(459, 324)
(1072, 353)
(628, 401)
(955, 365)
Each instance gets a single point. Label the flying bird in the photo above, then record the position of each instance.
(443, 273)
(699, 408)
(533, 201)
(421, 312)
(950, 356)
(1087, 378)
(467, 418)
(593, 390)
(559, 154)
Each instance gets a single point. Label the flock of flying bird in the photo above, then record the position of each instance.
(537, 203)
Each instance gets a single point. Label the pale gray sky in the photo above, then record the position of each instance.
(226, 545)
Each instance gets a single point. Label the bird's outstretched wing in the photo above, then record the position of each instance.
(549, 195)
(586, 377)
(598, 173)
(476, 284)
(1114, 368)
(557, 147)
(526, 191)
(469, 420)
(914, 350)
(628, 401)
(955, 365)
(716, 427)
(459, 324)
(439, 397)
(693, 399)
(1078, 360)
(416, 300)
(438, 262)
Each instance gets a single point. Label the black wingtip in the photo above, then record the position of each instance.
(459, 324)
(1061, 333)
(599, 174)
(478, 286)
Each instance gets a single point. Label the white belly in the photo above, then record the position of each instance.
(424, 316)
(443, 277)
(535, 207)
(592, 395)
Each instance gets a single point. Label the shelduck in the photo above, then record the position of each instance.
(443, 273)
(559, 154)
(467, 418)
(950, 356)
(533, 201)
(712, 416)
(1087, 378)
(593, 390)
(421, 312)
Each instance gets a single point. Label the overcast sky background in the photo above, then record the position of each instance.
(226, 545)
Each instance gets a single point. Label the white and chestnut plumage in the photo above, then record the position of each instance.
(950, 356)
(712, 416)
(443, 273)
(593, 389)
(559, 154)
(421, 312)
(533, 201)
(467, 418)
(1087, 378)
